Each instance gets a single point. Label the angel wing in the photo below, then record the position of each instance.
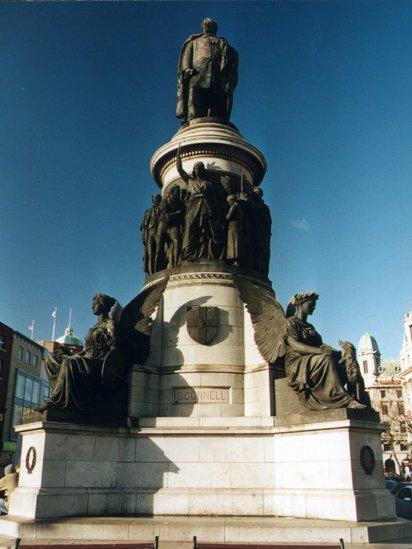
(268, 318)
(136, 323)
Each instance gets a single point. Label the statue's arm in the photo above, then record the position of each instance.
(184, 175)
(187, 60)
(231, 212)
(302, 348)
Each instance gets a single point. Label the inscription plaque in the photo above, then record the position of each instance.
(204, 395)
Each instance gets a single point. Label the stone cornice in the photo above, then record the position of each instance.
(205, 138)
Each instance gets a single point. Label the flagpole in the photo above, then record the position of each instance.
(31, 330)
(70, 318)
(54, 316)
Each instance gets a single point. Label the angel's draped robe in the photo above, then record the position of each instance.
(75, 379)
(314, 377)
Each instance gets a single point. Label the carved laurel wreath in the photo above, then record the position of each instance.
(367, 459)
(31, 459)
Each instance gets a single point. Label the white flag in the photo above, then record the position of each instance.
(54, 313)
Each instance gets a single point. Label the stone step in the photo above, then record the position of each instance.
(177, 529)
(8, 543)
(84, 544)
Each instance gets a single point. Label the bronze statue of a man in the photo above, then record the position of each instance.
(207, 75)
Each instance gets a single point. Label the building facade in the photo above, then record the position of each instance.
(6, 343)
(386, 391)
(27, 386)
(406, 371)
(406, 350)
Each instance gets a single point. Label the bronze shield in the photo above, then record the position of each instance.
(202, 323)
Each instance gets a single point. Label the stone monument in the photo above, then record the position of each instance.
(234, 407)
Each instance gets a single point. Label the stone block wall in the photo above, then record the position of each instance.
(201, 465)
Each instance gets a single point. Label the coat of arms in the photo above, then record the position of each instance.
(202, 323)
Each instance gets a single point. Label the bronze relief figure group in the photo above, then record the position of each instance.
(209, 216)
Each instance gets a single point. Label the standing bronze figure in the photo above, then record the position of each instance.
(201, 233)
(235, 231)
(207, 75)
(149, 233)
(262, 224)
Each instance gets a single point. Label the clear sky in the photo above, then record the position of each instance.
(87, 94)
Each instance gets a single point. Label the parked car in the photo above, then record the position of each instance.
(389, 484)
(3, 508)
(403, 501)
(400, 485)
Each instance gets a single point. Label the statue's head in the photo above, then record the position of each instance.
(199, 169)
(258, 192)
(102, 303)
(174, 193)
(303, 300)
(231, 199)
(156, 198)
(209, 26)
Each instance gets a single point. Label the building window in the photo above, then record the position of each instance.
(385, 409)
(386, 447)
(410, 331)
(399, 393)
(365, 366)
(34, 360)
(383, 393)
(20, 352)
(2, 342)
(20, 383)
(29, 393)
(401, 408)
(403, 447)
(28, 390)
(28, 357)
(45, 391)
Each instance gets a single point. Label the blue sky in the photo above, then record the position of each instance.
(87, 94)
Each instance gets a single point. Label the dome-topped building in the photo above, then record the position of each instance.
(369, 358)
(368, 343)
(67, 344)
(68, 339)
(406, 351)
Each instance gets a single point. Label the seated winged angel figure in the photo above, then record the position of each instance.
(323, 377)
(90, 381)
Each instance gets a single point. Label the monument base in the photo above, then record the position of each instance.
(202, 466)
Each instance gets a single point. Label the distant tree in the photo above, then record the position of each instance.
(399, 426)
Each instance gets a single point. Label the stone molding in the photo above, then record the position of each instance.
(207, 138)
(207, 270)
(257, 368)
(199, 368)
(191, 425)
(201, 276)
(223, 152)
